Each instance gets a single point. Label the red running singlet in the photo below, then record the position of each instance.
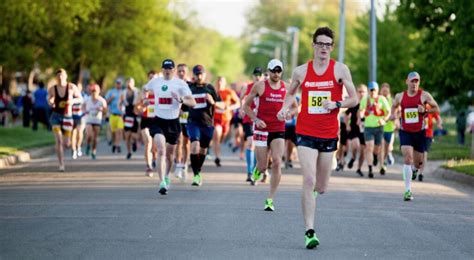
(269, 104)
(412, 120)
(246, 119)
(314, 120)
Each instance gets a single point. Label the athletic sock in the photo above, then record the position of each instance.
(407, 173)
(195, 163)
(249, 158)
(202, 158)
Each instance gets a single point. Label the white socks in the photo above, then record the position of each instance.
(407, 174)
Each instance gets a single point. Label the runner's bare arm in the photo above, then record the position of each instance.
(426, 98)
(188, 100)
(235, 101)
(51, 96)
(395, 106)
(290, 98)
(256, 91)
(343, 75)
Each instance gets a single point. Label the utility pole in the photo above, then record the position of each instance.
(342, 30)
(373, 43)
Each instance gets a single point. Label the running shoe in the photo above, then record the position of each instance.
(415, 173)
(390, 159)
(114, 148)
(177, 170)
(129, 156)
(163, 189)
(88, 149)
(93, 155)
(249, 177)
(79, 152)
(153, 164)
(339, 167)
(265, 176)
(420, 177)
(134, 147)
(149, 172)
(382, 170)
(74, 155)
(217, 161)
(269, 205)
(351, 163)
(407, 196)
(62, 168)
(197, 181)
(256, 175)
(371, 175)
(310, 239)
(361, 174)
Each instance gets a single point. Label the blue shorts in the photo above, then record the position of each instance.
(374, 133)
(203, 134)
(387, 137)
(417, 140)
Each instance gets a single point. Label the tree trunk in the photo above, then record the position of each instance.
(472, 142)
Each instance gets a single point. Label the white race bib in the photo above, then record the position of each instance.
(260, 138)
(315, 101)
(183, 118)
(411, 115)
(201, 100)
(128, 122)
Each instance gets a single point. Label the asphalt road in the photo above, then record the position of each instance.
(108, 209)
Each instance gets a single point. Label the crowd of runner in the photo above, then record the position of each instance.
(319, 115)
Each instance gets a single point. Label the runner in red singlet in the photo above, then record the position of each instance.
(321, 81)
(429, 137)
(412, 127)
(269, 131)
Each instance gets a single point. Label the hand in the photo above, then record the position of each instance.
(210, 99)
(348, 128)
(241, 113)
(421, 109)
(392, 118)
(260, 124)
(282, 114)
(329, 105)
(176, 97)
(381, 121)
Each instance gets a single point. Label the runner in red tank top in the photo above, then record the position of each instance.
(269, 131)
(248, 124)
(321, 81)
(429, 118)
(412, 130)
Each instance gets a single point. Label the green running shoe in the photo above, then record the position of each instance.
(407, 196)
(311, 241)
(256, 174)
(197, 180)
(163, 188)
(269, 205)
(167, 182)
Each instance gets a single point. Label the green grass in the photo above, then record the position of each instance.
(445, 147)
(18, 138)
(464, 166)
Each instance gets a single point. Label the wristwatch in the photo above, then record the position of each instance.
(338, 104)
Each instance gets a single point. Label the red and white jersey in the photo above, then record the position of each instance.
(246, 119)
(412, 120)
(269, 104)
(314, 120)
(150, 107)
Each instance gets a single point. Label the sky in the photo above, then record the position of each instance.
(228, 16)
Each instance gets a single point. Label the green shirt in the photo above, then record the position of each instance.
(390, 125)
(372, 120)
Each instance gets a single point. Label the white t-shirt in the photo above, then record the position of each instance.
(166, 106)
(93, 110)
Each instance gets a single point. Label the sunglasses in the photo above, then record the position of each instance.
(276, 70)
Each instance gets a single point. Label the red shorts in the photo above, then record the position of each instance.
(224, 125)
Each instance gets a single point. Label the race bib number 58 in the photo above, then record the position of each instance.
(315, 102)
(411, 115)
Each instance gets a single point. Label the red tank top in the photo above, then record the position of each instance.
(246, 119)
(269, 104)
(150, 108)
(314, 120)
(412, 120)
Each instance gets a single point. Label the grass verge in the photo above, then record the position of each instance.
(464, 166)
(18, 138)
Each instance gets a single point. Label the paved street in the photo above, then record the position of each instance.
(108, 209)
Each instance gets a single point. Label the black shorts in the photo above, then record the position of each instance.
(184, 130)
(134, 127)
(417, 140)
(77, 121)
(236, 120)
(290, 133)
(320, 144)
(275, 135)
(248, 130)
(170, 128)
(343, 133)
(146, 122)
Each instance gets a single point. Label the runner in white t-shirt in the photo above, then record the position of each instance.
(170, 93)
(94, 109)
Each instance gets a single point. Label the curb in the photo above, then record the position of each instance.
(454, 176)
(25, 156)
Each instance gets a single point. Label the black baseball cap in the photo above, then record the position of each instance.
(168, 64)
(257, 71)
(198, 69)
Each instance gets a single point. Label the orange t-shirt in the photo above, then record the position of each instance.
(228, 96)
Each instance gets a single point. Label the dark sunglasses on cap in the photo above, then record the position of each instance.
(276, 70)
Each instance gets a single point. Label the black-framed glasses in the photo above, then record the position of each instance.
(324, 44)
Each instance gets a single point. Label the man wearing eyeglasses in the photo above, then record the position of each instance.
(376, 111)
(412, 103)
(269, 132)
(170, 93)
(321, 81)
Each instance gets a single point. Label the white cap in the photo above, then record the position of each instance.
(274, 63)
